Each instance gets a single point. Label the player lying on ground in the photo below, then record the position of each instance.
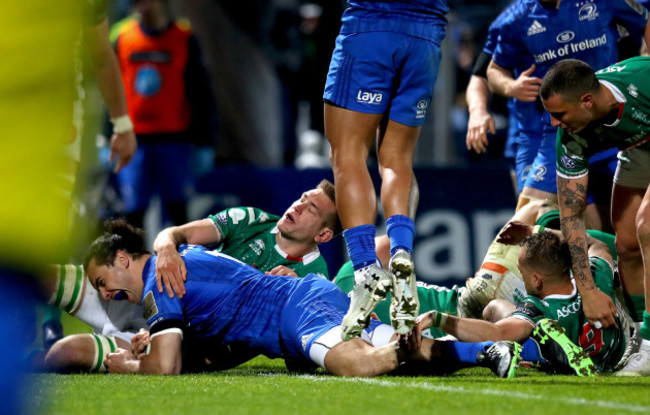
(228, 302)
(545, 262)
(286, 245)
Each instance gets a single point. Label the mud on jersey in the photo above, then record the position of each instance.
(248, 234)
(629, 81)
(605, 346)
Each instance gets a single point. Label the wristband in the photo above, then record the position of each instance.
(122, 124)
(538, 229)
(439, 318)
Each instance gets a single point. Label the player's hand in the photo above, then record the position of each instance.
(514, 233)
(526, 87)
(170, 270)
(139, 343)
(123, 145)
(480, 122)
(282, 270)
(599, 309)
(121, 361)
(423, 322)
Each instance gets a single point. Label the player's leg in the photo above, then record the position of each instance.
(82, 353)
(356, 96)
(630, 210)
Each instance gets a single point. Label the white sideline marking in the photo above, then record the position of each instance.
(493, 392)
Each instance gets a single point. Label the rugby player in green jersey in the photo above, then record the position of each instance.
(593, 111)
(285, 245)
(544, 261)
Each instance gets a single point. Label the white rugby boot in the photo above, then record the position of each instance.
(372, 283)
(404, 305)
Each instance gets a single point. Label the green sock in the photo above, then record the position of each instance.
(636, 306)
(645, 328)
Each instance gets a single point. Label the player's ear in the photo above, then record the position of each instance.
(538, 280)
(325, 235)
(587, 100)
(122, 258)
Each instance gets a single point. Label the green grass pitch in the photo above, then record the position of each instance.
(263, 386)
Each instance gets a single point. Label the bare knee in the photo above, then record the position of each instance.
(71, 354)
(643, 227)
(497, 310)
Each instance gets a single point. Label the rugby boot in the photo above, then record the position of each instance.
(502, 358)
(562, 355)
(372, 286)
(404, 306)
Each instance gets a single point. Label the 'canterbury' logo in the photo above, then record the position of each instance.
(369, 97)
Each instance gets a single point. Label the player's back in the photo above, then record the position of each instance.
(226, 300)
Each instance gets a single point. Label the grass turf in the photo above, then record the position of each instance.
(263, 386)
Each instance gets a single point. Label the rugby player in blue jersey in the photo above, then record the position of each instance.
(536, 35)
(230, 303)
(380, 85)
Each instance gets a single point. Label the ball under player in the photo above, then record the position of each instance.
(594, 111)
(228, 302)
(380, 84)
(544, 261)
(286, 245)
(536, 35)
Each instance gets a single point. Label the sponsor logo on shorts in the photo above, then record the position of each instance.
(422, 106)
(304, 340)
(566, 36)
(588, 12)
(369, 97)
(567, 162)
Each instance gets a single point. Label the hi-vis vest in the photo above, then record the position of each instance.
(153, 69)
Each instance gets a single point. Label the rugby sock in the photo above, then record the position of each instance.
(645, 328)
(361, 245)
(636, 307)
(401, 231)
(465, 352)
(69, 284)
(530, 352)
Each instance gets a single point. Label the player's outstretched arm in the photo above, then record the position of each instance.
(164, 358)
(474, 330)
(572, 197)
(170, 268)
(480, 121)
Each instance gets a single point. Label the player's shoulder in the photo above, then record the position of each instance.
(244, 215)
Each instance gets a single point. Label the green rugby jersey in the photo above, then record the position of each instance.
(432, 297)
(248, 234)
(605, 346)
(629, 81)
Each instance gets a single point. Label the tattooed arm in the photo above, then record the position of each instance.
(572, 197)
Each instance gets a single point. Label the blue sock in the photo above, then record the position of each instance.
(361, 245)
(465, 352)
(401, 231)
(530, 352)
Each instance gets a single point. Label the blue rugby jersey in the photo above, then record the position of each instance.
(425, 19)
(226, 300)
(580, 29)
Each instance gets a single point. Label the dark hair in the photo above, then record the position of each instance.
(569, 78)
(547, 254)
(118, 235)
(332, 221)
